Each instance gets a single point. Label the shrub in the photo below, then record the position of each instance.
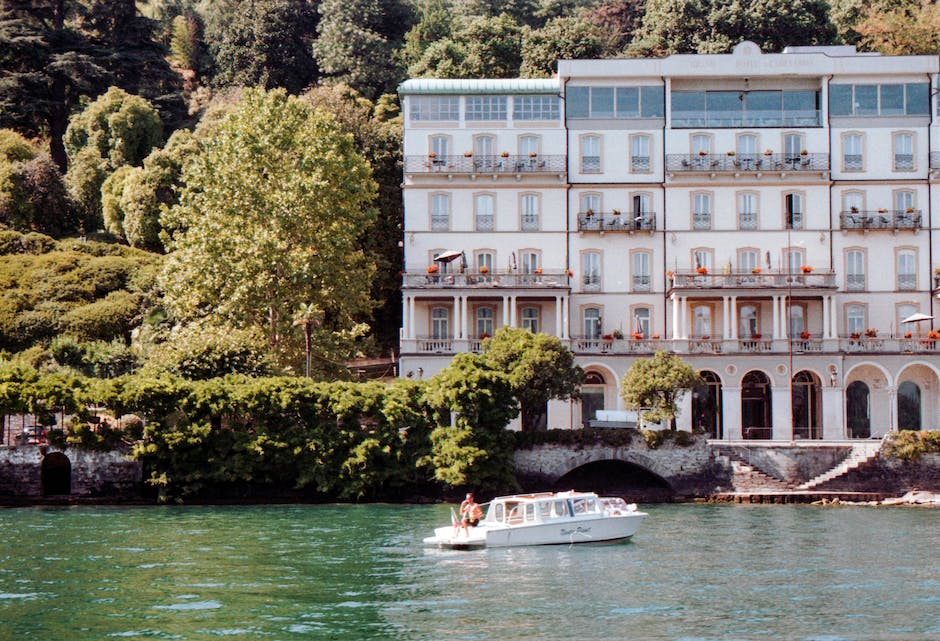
(909, 445)
(114, 316)
(614, 438)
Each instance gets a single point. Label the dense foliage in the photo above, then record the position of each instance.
(909, 445)
(653, 385)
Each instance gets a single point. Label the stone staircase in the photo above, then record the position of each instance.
(861, 453)
(747, 479)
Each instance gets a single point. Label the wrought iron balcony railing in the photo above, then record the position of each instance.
(881, 219)
(617, 221)
(714, 163)
(746, 280)
(493, 278)
(478, 164)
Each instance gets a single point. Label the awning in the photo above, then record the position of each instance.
(916, 318)
(448, 256)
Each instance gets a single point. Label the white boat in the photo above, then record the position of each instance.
(546, 518)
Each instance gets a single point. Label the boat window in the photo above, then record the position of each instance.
(498, 511)
(545, 510)
(513, 513)
(560, 508)
(530, 512)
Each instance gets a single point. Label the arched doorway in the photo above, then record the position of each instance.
(56, 471)
(756, 408)
(909, 406)
(858, 410)
(592, 397)
(706, 405)
(806, 403)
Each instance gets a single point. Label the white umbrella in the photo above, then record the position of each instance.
(448, 256)
(916, 318)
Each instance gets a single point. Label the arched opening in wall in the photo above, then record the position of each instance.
(756, 408)
(706, 405)
(806, 403)
(858, 410)
(909, 406)
(592, 397)
(56, 471)
(618, 478)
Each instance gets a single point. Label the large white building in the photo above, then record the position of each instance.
(768, 217)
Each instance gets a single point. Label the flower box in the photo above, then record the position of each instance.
(654, 337)
(701, 270)
(706, 337)
(855, 336)
(768, 152)
(803, 152)
(756, 270)
(908, 334)
(805, 335)
(806, 269)
(756, 337)
(484, 269)
(703, 153)
(505, 154)
(468, 154)
(570, 273)
(538, 271)
(607, 337)
(433, 269)
(871, 333)
(432, 155)
(731, 154)
(618, 333)
(933, 334)
(533, 155)
(637, 336)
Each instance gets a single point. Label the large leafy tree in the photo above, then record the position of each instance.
(357, 40)
(115, 130)
(271, 217)
(654, 384)
(481, 47)
(539, 368)
(261, 42)
(560, 39)
(908, 30)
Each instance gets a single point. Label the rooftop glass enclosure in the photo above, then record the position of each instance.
(715, 109)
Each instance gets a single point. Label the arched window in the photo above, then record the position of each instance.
(706, 405)
(592, 397)
(806, 404)
(756, 409)
(909, 406)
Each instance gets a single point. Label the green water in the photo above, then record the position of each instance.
(692, 573)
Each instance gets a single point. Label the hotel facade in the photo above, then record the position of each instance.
(767, 217)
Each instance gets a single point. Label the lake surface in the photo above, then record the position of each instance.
(692, 573)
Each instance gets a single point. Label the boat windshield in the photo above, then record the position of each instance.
(585, 506)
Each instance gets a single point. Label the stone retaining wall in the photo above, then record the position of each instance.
(24, 470)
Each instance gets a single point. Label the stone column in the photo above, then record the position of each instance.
(775, 316)
(734, 316)
(684, 316)
(566, 312)
(405, 317)
(731, 413)
(464, 316)
(411, 318)
(725, 317)
(826, 323)
(558, 331)
(513, 301)
(674, 301)
(505, 310)
(457, 319)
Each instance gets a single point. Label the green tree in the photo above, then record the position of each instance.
(539, 368)
(435, 22)
(271, 216)
(357, 41)
(619, 19)
(476, 450)
(902, 31)
(261, 42)
(560, 39)
(654, 384)
(116, 129)
(186, 41)
(481, 47)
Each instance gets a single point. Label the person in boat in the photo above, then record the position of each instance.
(470, 514)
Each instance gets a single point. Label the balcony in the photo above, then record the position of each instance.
(477, 164)
(616, 221)
(734, 164)
(873, 344)
(494, 279)
(880, 220)
(752, 280)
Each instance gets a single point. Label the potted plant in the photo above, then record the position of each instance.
(803, 152)
(768, 152)
(756, 337)
(806, 269)
(505, 154)
(432, 155)
(532, 154)
(853, 209)
(701, 270)
(805, 335)
(432, 269)
(703, 153)
(908, 334)
(570, 273)
(538, 271)
(589, 213)
(933, 334)
(855, 336)
(607, 337)
(731, 154)
(637, 336)
(468, 154)
(616, 212)
(756, 270)
(484, 269)
(484, 336)
(908, 210)
(669, 273)
(871, 333)
(654, 337)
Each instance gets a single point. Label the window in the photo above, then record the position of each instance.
(530, 319)
(486, 108)
(536, 108)
(484, 322)
(439, 146)
(793, 203)
(903, 311)
(701, 144)
(909, 99)
(903, 152)
(590, 154)
(484, 153)
(619, 102)
(439, 323)
(641, 271)
(640, 154)
(484, 210)
(792, 108)
(643, 212)
(424, 108)
(852, 152)
(855, 270)
(702, 315)
(792, 146)
(592, 322)
(747, 261)
(442, 266)
(747, 210)
(529, 261)
(797, 320)
(591, 203)
(591, 268)
(907, 269)
(748, 324)
(528, 146)
(903, 201)
(530, 212)
(794, 259)
(484, 262)
(702, 258)
(440, 212)
(853, 204)
(747, 148)
(701, 211)
(641, 321)
(855, 319)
